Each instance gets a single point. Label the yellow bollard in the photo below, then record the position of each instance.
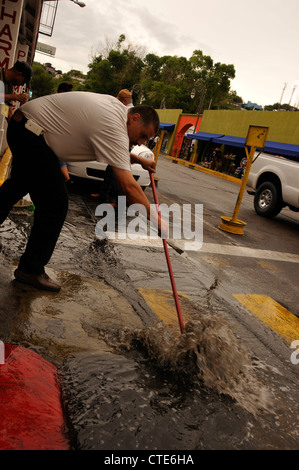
(256, 137)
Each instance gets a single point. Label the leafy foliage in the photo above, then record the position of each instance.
(192, 84)
(280, 107)
(43, 83)
(165, 81)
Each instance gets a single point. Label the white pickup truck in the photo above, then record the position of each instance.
(274, 181)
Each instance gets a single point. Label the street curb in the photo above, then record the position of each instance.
(32, 417)
(194, 166)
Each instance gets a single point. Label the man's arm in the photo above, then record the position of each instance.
(147, 163)
(135, 195)
(21, 97)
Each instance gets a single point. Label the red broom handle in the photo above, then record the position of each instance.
(175, 295)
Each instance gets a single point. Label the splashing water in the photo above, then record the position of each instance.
(207, 352)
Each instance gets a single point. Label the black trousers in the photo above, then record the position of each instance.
(35, 170)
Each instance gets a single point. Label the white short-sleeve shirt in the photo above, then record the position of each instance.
(83, 126)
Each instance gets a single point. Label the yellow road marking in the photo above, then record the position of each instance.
(272, 314)
(277, 317)
(162, 303)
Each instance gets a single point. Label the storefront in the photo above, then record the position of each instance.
(226, 154)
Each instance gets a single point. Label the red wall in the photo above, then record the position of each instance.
(184, 123)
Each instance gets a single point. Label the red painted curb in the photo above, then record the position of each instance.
(31, 416)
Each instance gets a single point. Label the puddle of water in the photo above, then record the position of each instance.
(61, 325)
(208, 353)
(90, 316)
(122, 401)
(156, 391)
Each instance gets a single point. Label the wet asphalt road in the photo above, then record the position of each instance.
(117, 392)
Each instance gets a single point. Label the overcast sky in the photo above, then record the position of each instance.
(259, 37)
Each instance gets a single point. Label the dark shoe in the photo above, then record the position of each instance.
(41, 281)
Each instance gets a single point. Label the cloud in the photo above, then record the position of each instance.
(157, 29)
(259, 38)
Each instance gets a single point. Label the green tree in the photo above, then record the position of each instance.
(114, 69)
(166, 80)
(152, 65)
(70, 77)
(214, 78)
(233, 98)
(278, 106)
(43, 83)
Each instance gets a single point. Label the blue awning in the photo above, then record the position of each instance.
(285, 150)
(230, 140)
(204, 136)
(288, 150)
(166, 127)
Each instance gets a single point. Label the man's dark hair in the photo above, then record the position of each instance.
(25, 70)
(64, 87)
(148, 115)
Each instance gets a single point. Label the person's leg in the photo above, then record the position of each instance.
(36, 169)
(10, 193)
(65, 172)
(110, 189)
(115, 190)
(49, 196)
(105, 188)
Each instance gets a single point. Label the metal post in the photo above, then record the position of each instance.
(256, 138)
(244, 181)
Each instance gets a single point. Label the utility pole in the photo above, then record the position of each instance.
(283, 90)
(292, 94)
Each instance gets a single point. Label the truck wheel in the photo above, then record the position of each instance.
(267, 200)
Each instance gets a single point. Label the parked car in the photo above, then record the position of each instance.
(273, 180)
(96, 170)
